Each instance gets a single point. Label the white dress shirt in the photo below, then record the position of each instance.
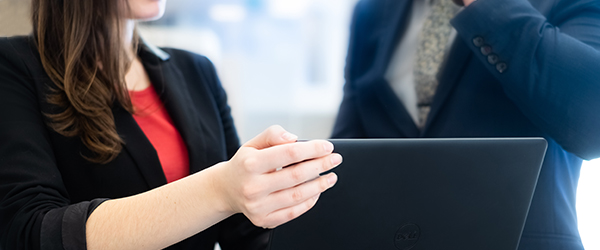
(400, 70)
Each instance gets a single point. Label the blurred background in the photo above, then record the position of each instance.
(281, 62)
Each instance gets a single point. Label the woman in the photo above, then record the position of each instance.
(98, 131)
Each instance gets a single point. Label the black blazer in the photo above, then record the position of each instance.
(48, 189)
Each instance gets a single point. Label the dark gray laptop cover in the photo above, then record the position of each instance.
(412, 194)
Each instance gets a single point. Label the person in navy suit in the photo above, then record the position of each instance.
(510, 68)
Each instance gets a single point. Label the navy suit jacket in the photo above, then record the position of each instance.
(543, 81)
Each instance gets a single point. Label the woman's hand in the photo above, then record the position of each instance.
(272, 179)
(255, 182)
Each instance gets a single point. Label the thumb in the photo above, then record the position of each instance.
(272, 136)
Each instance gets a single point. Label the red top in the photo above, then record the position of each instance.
(153, 119)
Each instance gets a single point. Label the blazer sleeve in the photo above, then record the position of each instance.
(35, 212)
(348, 123)
(235, 232)
(232, 140)
(549, 69)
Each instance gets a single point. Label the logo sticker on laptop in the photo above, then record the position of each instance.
(407, 236)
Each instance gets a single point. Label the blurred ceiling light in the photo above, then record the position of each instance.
(227, 12)
(288, 9)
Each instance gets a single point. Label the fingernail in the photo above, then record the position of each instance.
(335, 159)
(289, 136)
(328, 146)
(331, 179)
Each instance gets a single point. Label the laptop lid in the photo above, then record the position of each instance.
(412, 194)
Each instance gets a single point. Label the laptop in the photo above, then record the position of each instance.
(413, 194)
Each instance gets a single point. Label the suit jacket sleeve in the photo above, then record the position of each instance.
(35, 211)
(552, 64)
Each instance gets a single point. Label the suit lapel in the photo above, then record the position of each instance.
(394, 23)
(378, 100)
(139, 147)
(448, 77)
(396, 14)
(170, 85)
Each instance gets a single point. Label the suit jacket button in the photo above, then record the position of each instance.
(486, 50)
(478, 41)
(501, 67)
(493, 59)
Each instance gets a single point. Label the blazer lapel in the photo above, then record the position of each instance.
(170, 85)
(396, 13)
(448, 77)
(139, 147)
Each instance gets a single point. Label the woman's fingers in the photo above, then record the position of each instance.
(288, 154)
(290, 203)
(272, 136)
(285, 215)
(268, 197)
(302, 172)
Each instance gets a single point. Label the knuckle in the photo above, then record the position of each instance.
(274, 129)
(291, 215)
(293, 152)
(249, 192)
(250, 164)
(253, 207)
(297, 195)
(296, 174)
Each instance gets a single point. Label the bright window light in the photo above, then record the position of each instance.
(228, 13)
(588, 204)
(288, 9)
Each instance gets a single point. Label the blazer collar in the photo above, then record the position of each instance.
(448, 77)
(151, 50)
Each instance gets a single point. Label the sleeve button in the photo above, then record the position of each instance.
(493, 59)
(501, 67)
(478, 41)
(486, 50)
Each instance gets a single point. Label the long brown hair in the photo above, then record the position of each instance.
(82, 50)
